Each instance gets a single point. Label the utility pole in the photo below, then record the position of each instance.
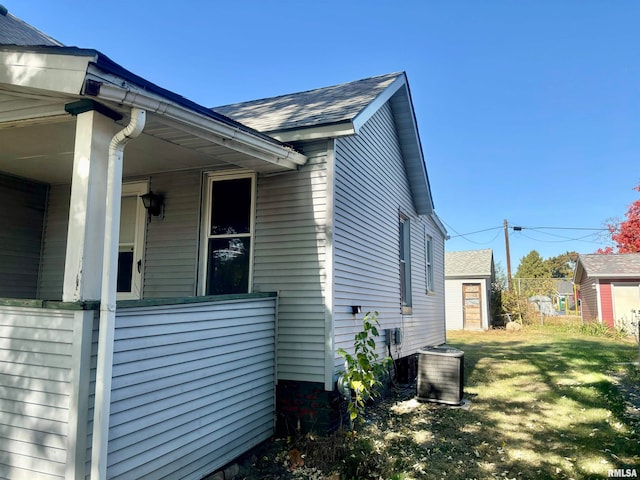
(506, 243)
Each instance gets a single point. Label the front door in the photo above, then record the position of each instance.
(132, 228)
(472, 306)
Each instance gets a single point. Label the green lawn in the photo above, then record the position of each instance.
(542, 404)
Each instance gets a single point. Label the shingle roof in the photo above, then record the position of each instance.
(613, 265)
(322, 106)
(468, 263)
(14, 31)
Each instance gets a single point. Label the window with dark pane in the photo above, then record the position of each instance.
(126, 244)
(405, 262)
(125, 271)
(228, 265)
(231, 206)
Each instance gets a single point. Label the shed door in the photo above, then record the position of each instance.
(472, 306)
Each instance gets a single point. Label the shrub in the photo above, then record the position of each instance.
(363, 369)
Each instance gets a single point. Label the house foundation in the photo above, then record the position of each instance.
(305, 407)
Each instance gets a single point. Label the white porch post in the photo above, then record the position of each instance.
(85, 234)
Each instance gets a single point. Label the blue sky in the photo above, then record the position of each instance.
(527, 110)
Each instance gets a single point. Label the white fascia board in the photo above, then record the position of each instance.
(44, 71)
(615, 277)
(366, 113)
(439, 224)
(336, 130)
(202, 126)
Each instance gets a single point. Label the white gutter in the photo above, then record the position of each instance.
(215, 131)
(108, 294)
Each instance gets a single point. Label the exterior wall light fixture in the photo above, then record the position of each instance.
(154, 203)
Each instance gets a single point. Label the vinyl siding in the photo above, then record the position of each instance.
(290, 254)
(193, 387)
(22, 217)
(40, 373)
(371, 189)
(171, 253)
(589, 300)
(54, 247)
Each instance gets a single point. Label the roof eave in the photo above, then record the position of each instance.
(230, 136)
(333, 130)
(457, 276)
(402, 105)
(614, 276)
(70, 71)
(383, 97)
(48, 69)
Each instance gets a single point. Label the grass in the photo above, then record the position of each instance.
(546, 404)
(542, 403)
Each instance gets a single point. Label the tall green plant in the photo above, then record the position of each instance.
(363, 369)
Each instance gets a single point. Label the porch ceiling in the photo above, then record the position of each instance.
(37, 139)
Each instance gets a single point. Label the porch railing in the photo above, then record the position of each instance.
(193, 386)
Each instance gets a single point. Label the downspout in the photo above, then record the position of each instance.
(99, 447)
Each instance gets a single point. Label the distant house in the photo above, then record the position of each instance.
(163, 340)
(564, 299)
(468, 278)
(608, 287)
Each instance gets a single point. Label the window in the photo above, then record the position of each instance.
(405, 265)
(132, 228)
(429, 263)
(228, 242)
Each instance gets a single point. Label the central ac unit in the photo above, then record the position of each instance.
(441, 375)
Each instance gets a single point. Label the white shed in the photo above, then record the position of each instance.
(468, 278)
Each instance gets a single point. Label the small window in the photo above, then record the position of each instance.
(229, 234)
(405, 265)
(429, 263)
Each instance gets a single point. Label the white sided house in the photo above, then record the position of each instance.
(468, 278)
(355, 227)
(164, 340)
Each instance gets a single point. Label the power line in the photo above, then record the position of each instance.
(472, 233)
(564, 239)
(600, 229)
(519, 228)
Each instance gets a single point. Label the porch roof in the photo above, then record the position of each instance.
(36, 82)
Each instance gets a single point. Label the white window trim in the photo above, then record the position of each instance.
(406, 303)
(428, 261)
(210, 178)
(131, 189)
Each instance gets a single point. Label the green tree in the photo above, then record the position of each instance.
(563, 265)
(533, 276)
(532, 266)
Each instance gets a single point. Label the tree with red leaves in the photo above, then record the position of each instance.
(626, 234)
